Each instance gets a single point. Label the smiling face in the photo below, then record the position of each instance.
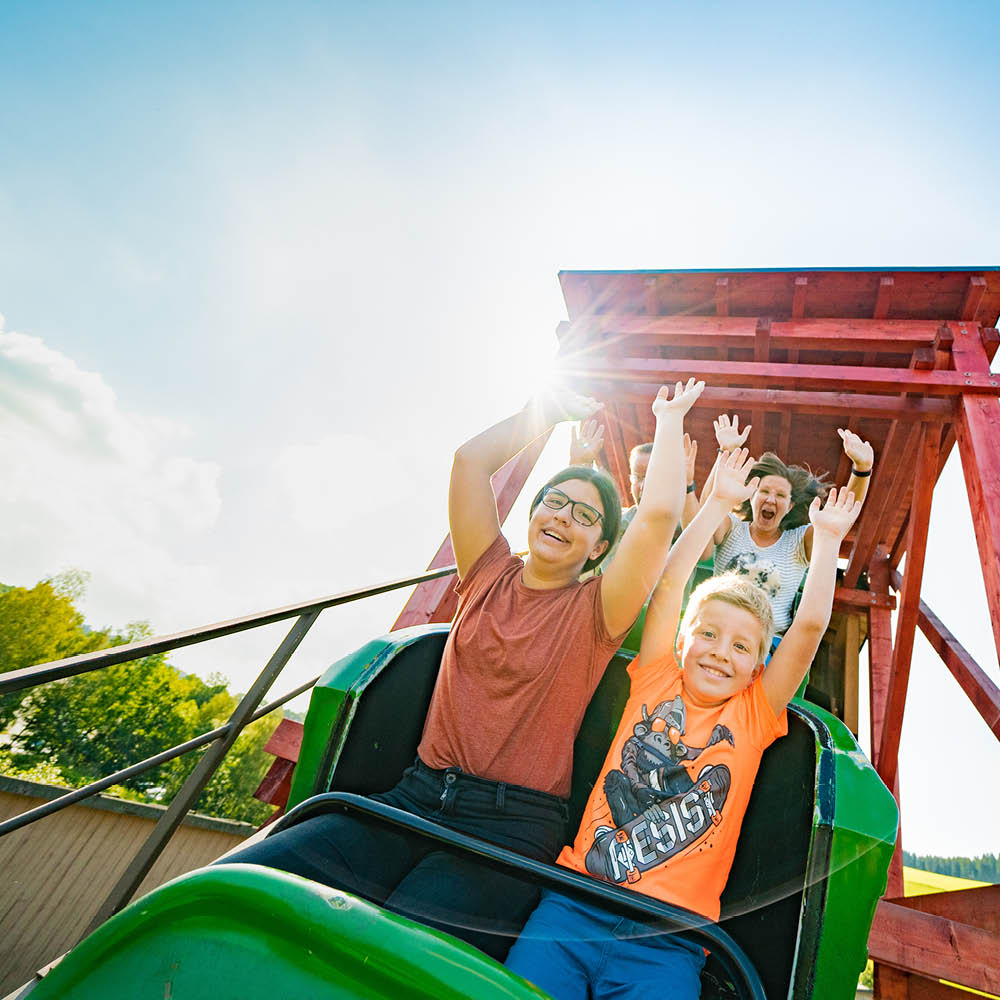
(638, 464)
(771, 502)
(557, 539)
(720, 652)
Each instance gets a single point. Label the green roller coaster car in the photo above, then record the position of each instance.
(810, 866)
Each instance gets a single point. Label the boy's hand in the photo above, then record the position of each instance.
(586, 445)
(835, 517)
(731, 473)
(564, 404)
(690, 454)
(861, 453)
(684, 399)
(728, 433)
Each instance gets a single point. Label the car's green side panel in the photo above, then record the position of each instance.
(244, 933)
(862, 834)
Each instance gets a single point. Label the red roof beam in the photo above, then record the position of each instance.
(839, 404)
(974, 293)
(772, 375)
(884, 299)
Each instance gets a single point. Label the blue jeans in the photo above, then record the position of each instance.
(575, 951)
(414, 877)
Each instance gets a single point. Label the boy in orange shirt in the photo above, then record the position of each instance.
(665, 813)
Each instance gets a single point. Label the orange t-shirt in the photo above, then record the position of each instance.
(665, 813)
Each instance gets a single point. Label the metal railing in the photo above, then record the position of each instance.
(218, 740)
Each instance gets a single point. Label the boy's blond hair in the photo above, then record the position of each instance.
(737, 590)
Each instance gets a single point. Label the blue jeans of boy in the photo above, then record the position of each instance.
(575, 951)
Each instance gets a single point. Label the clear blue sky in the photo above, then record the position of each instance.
(264, 266)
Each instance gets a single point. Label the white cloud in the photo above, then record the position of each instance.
(86, 483)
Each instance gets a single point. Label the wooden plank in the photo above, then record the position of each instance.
(721, 296)
(935, 947)
(906, 623)
(436, 600)
(799, 297)
(879, 649)
(286, 740)
(737, 331)
(845, 599)
(852, 646)
(790, 400)
(973, 297)
(978, 431)
(761, 353)
(884, 300)
(776, 375)
(900, 443)
(785, 423)
(979, 907)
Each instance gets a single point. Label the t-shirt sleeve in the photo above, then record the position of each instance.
(800, 544)
(604, 638)
(763, 726)
(486, 568)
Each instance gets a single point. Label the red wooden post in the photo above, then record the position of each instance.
(761, 352)
(436, 600)
(978, 433)
(906, 623)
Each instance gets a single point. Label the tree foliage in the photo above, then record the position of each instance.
(88, 726)
(985, 868)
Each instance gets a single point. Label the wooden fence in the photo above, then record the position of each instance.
(56, 872)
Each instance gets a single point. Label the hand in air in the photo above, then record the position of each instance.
(586, 445)
(861, 453)
(690, 454)
(684, 399)
(836, 516)
(731, 474)
(728, 433)
(565, 404)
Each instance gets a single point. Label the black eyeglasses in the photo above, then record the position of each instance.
(582, 512)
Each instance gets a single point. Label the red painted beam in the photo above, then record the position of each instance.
(736, 331)
(978, 431)
(884, 300)
(721, 296)
(799, 297)
(974, 681)
(841, 404)
(935, 947)
(906, 622)
(973, 297)
(798, 376)
(762, 354)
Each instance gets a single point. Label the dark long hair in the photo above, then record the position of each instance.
(610, 501)
(806, 485)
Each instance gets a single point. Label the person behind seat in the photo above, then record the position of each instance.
(664, 816)
(770, 539)
(585, 449)
(524, 655)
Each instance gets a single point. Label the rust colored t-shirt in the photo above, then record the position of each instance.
(666, 811)
(517, 673)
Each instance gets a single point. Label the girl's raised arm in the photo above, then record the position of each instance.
(472, 507)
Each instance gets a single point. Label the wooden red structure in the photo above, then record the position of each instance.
(903, 358)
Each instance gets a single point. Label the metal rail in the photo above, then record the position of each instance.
(219, 740)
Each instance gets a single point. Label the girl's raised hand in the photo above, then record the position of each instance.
(860, 452)
(731, 473)
(684, 398)
(836, 516)
(728, 433)
(690, 454)
(585, 446)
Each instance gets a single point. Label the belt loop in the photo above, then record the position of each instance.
(501, 788)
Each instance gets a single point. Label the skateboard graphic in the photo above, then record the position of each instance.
(622, 854)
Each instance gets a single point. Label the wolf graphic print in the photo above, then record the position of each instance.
(657, 806)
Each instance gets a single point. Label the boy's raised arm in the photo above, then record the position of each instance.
(830, 523)
(729, 487)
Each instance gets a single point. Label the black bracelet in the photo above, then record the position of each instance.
(861, 475)
(690, 488)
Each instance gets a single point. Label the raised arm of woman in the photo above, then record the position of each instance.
(472, 506)
(642, 552)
